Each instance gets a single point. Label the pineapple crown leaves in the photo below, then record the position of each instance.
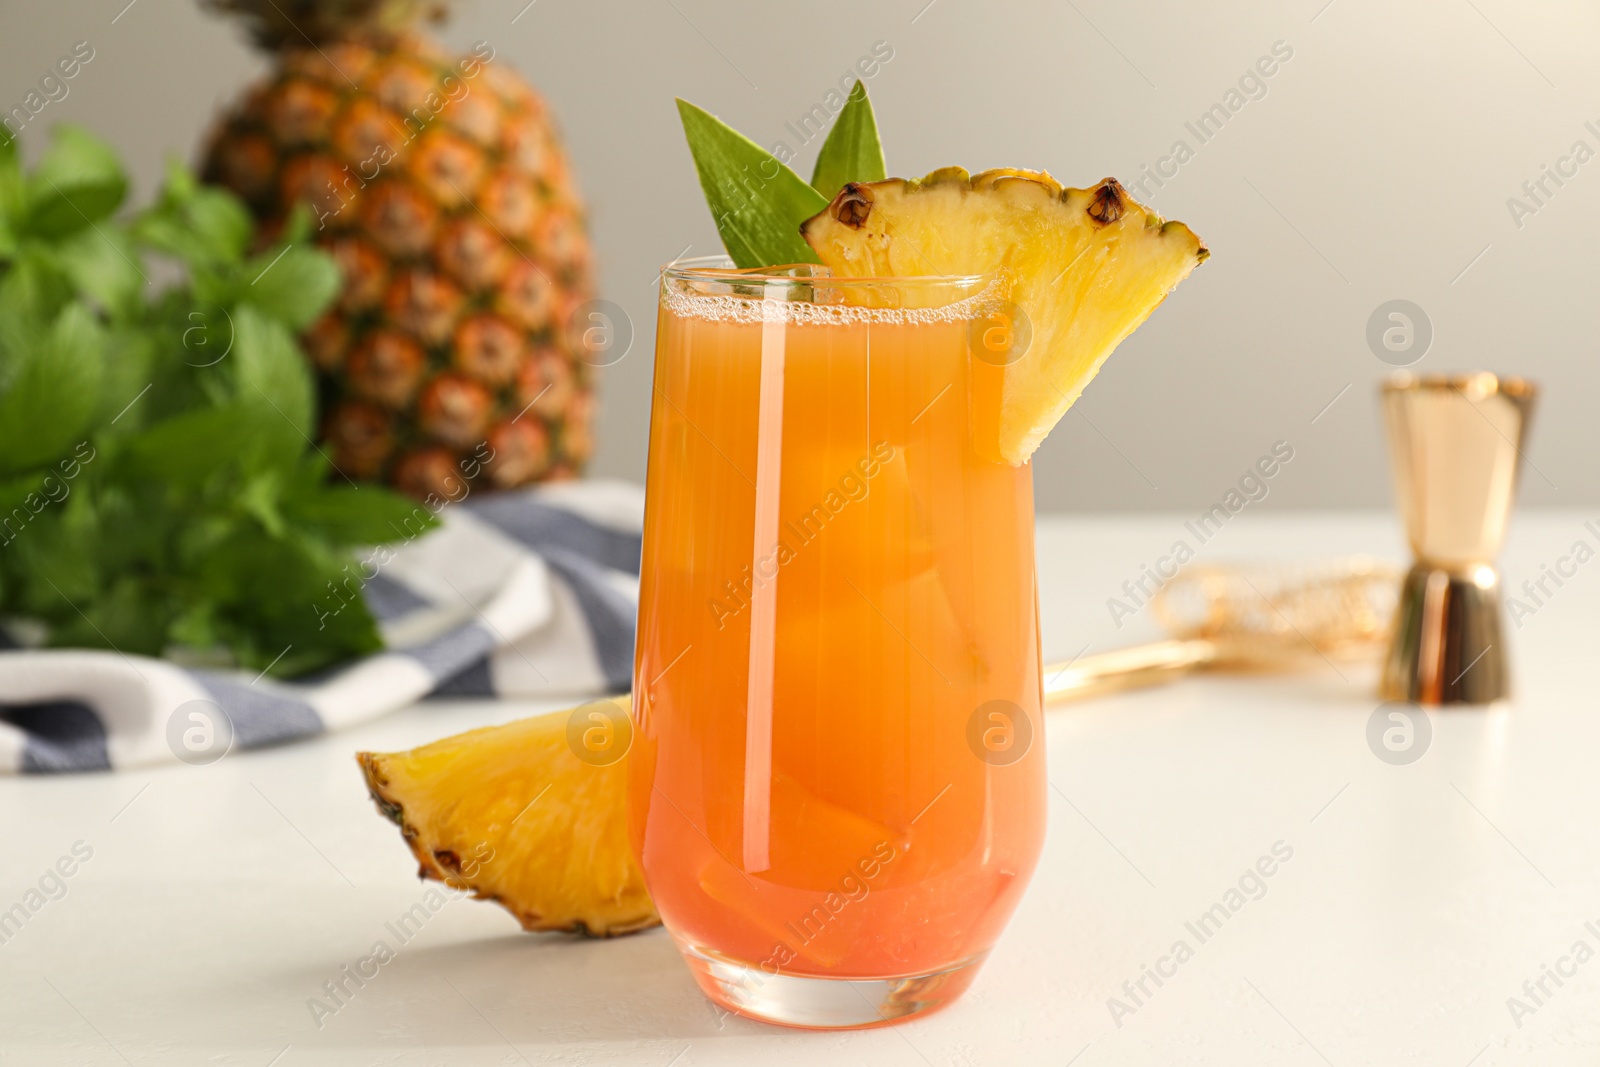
(276, 24)
(157, 485)
(757, 202)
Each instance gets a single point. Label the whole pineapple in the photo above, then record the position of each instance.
(438, 184)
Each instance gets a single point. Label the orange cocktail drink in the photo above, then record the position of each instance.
(837, 797)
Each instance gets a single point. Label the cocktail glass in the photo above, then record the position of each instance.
(838, 786)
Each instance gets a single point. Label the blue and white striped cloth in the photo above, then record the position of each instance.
(524, 594)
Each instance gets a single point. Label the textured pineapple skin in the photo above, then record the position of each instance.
(438, 184)
(511, 814)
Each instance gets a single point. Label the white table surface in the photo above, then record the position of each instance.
(1419, 898)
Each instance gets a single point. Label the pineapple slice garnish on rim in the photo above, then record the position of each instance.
(512, 814)
(1085, 266)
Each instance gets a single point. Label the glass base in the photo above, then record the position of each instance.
(813, 1003)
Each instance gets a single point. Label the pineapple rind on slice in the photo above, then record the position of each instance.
(1086, 266)
(511, 814)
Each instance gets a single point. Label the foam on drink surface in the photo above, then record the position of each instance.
(828, 307)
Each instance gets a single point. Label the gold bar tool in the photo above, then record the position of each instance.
(1455, 445)
(1246, 618)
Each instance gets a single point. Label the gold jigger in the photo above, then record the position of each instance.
(1455, 443)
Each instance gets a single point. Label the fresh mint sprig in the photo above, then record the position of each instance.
(158, 485)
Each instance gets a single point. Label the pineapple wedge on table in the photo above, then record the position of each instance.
(1085, 266)
(439, 185)
(510, 813)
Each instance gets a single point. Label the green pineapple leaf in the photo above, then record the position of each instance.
(852, 151)
(757, 202)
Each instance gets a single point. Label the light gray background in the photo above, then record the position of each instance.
(1377, 166)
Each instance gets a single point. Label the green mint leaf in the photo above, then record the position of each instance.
(282, 592)
(104, 266)
(196, 626)
(13, 493)
(198, 224)
(852, 151)
(272, 374)
(129, 616)
(297, 227)
(365, 515)
(130, 354)
(33, 291)
(259, 500)
(220, 224)
(11, 193)
(78, 183)
(757, 202)
(185, 451)
(48, 548)
(293, 284)
(53, 391)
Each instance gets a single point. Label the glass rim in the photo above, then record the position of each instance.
(1479, 383)
(720, 268)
